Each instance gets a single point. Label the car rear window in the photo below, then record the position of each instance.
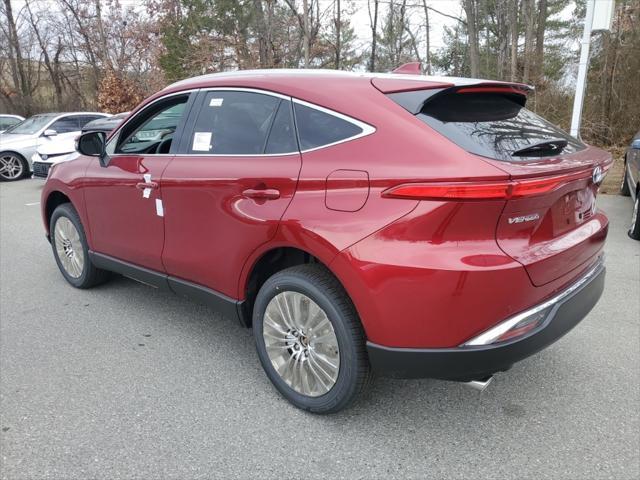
(495, 125)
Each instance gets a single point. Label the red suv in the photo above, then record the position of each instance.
(360, 223)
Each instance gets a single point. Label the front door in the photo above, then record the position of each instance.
(123, 197)
(229, 185)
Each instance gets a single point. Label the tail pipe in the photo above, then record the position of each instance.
(480, 385)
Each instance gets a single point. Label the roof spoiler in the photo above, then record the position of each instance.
(411, 68)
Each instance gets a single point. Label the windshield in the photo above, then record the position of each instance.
(31, 125)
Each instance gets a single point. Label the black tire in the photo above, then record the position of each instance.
(634, 229)
(354, 373)
(624, 187)
(90, 276)
(17, 160)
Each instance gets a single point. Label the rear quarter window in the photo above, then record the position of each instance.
(317, 128)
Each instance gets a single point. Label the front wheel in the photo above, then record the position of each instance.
(12, 167)
(70, 249)
(634, 229)
(310, 340)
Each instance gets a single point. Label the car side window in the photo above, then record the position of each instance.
(282, 137)
(233, 123)
(6, 122)
(65, 125)
(317, 128)
(84, 119)
(151, 131)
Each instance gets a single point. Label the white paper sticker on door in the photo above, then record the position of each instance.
(201, 142)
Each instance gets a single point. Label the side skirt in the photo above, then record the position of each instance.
(228, 306)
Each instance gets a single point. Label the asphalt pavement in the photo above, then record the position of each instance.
(124, 381)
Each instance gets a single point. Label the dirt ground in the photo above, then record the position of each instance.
(612, 181)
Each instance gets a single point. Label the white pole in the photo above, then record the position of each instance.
(581, 83)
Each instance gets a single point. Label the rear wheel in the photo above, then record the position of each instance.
(309, 339)
(634, 229)
(70, 249)
(624, 187)
(12, 167)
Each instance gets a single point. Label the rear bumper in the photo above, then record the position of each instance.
(467, 363)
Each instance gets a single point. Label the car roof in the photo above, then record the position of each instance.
(317, 78)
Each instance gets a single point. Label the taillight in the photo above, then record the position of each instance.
(483, 190)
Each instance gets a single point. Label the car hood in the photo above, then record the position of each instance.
(12, 138)
(64, 143)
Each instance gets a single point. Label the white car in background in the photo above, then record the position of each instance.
(8, 121)
(64, 149)
(20, 142)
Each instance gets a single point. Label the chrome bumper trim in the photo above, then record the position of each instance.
(486, 337)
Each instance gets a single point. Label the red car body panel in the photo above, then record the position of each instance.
(421, 273)
(221, 226)
(116, 209)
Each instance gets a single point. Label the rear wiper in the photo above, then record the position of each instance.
(540, 149)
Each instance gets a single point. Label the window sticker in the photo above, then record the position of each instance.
(202, 142)
(216, 102)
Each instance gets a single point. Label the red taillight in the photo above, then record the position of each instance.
(462, 191)
(483, 190)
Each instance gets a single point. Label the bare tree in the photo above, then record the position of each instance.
(528, 7)
(471, 10)
(542, 24)
(374, 33)
(513, 33)
(338, 23)
(427, 39)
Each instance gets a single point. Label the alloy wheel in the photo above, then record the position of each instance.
(69, 247)
(301, 343)
(11, 167)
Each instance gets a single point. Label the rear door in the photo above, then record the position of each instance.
(228, 187)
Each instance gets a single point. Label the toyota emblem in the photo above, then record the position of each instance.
(597, 175)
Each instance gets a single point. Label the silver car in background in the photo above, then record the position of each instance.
(20, 142)
(64, 149)
(7, 121)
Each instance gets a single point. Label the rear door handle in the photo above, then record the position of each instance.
(262, 194)
(143, 185)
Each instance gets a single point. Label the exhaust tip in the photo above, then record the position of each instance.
(480, 385)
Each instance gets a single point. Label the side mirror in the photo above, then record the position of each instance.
(636, 144)
(49, 132)
(91, 144)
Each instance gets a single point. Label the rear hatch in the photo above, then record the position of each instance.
(550, 223)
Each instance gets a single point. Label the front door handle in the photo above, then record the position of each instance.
(262, 194)
(144, 185)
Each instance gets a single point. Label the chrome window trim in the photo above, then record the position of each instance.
(366, 128)
(489, 336)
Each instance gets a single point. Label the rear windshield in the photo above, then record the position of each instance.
(496, 126)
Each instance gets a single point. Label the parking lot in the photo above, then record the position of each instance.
(124, 381)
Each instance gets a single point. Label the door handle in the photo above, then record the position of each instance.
(262, 194)
(143, 185)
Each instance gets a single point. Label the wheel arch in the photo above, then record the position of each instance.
(54, 199)
(267, 263)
